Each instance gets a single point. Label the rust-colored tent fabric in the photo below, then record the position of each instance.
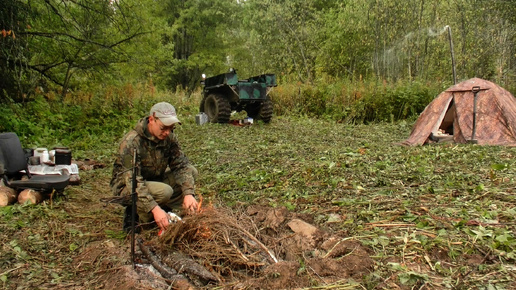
(453, 110)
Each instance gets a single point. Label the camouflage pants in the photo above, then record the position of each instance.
(167, 194)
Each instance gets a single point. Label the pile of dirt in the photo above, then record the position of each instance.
(256, 248)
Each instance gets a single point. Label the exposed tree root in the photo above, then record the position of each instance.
(164, 270)
(183, 264)
(221, 240)
(219, 246)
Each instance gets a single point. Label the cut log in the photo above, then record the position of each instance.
(178, 281)
(183, 264)
(7, 195)
(31, 196)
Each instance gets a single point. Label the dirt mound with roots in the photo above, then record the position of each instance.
(255, 248)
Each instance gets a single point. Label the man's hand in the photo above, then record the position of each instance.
(161, 217)
(190, 204)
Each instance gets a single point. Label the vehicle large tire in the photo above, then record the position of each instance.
(261, 111)
(217, 108)
(266, 110)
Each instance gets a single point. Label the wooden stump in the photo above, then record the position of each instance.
(30, 195)
(7, 195)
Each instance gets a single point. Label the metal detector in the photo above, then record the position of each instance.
(133, 207)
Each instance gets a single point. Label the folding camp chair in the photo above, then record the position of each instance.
(14, 168)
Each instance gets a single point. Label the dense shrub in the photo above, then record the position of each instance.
(392, 103)
(355, 102)
(86, 120)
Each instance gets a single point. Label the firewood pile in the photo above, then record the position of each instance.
(10, 196)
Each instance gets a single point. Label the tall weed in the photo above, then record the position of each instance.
(392, 102)
(355, 102)
(83, 120)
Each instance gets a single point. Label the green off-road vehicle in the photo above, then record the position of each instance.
(224, 93)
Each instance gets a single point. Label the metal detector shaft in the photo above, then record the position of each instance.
(133, 207)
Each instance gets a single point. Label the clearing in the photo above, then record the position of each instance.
(298, 203)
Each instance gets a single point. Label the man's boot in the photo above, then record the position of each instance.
(128, 220)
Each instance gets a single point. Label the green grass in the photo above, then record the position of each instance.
(440, 215)
(443, 215)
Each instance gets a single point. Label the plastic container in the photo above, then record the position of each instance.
(52, 154)
(245, 122)
(201, 118)
(42, 153)
(44, 158)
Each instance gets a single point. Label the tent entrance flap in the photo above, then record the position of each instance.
(443, 130)
(447, 123)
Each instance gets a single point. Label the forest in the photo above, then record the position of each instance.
(72, 46)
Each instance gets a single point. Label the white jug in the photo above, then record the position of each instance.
(42, 153)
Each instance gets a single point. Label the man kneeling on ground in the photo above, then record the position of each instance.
(165, 180)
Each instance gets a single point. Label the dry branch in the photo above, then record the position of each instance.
(389, 225)
(164, 270)
(219, 239)
(183, 264)
(260, 244)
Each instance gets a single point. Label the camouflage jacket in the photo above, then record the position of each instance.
(153, 157)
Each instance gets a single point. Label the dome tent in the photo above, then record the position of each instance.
(475, 110)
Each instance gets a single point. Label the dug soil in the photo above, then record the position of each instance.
(254, 248)
(75, 241)
(246, 247)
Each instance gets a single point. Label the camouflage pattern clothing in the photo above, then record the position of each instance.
(157, 159)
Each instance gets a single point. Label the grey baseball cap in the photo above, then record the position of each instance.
(166, 113)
